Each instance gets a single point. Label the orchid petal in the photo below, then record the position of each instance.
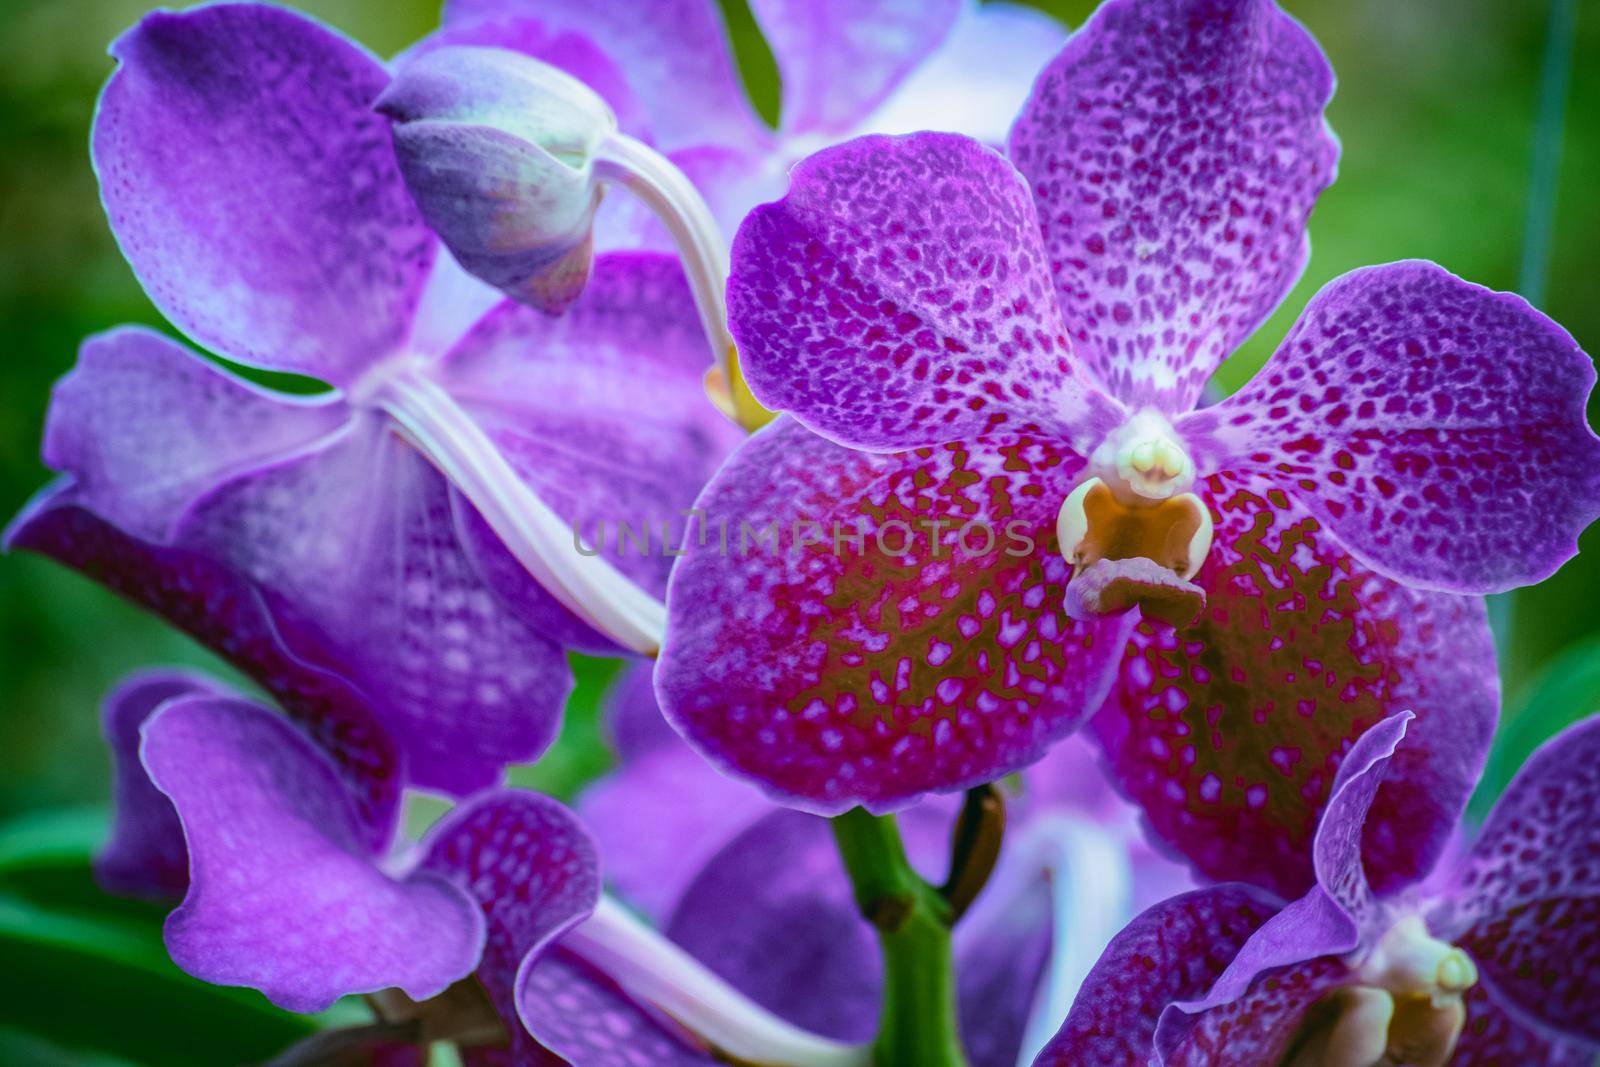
(1175, 149)
(977, 80)
(243, 624)
(913, 663)
(283, 896)
(899, 297)
(145, 856)
(1229, 734)
(1173, 951)
(675, 54)
(1493, 1037)
(114, 424)
(534, 871)
(1260, 1026)
(1435, 427)
(365, 538)
(254, 191)
(838, 59)
(1527, 908)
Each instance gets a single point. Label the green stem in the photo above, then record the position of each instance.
(917, 1027)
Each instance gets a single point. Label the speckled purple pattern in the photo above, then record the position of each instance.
(1493, 1038)
(1435, 427)
(1229, 734)
(364, 536)
(1259, 1027)
(112, 423)
(1527, 904)
(145, 855)
(576, 1010)
(1175, 149)
(254, 191)
(838, 59)
(675, 53)
(871, 678)
(602, 410)
(534, 871)
(242, 624)
(899, 297)
(283, 896)
(1173, 951)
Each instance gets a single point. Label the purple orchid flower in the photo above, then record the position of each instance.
(1489, 961)
(758, 893)
(390, 531)
(294, 883)
(992, 455)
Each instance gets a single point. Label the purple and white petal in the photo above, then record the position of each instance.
(1229, 734)
(1172, 952)
(674, 53)
(255, 192)
(365, 538)
(241, 623)
(532, 868)
(838, 59)
(977, 80)
(602, 410)
(145, 855)
(283, 895)
(1435, 427)
(833, 644)
(1175, 148)
(1527, 902)
(899, 297)
(144, 426)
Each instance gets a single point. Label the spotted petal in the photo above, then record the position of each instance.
(899, 297)
(243, 624)
(1528, 904)
(1175, 148)
(1260, 1026)
(254, 191)
(1229, 734)
(283, 896)
(924, 659)
(602, 410)
(1493, 1037)
(1173, 951)
(574, 1009)
(534, 872)
(1435, 427)
(365, 538)
(145, 856)
(839, 58)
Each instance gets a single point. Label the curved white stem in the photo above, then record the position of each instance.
(668, 192)
(655, 970)
(1091, 892)
(588, 585)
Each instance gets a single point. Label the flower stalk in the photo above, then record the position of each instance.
(587, 585)
(917, 1026)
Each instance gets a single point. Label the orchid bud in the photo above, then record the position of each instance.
(498, 150)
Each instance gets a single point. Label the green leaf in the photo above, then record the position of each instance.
(1564, 692)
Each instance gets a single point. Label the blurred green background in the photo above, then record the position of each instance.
(1437, 111)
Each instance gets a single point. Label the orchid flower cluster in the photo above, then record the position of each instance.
(998, 695)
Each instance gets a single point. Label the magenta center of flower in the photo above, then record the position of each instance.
(1133, 531)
